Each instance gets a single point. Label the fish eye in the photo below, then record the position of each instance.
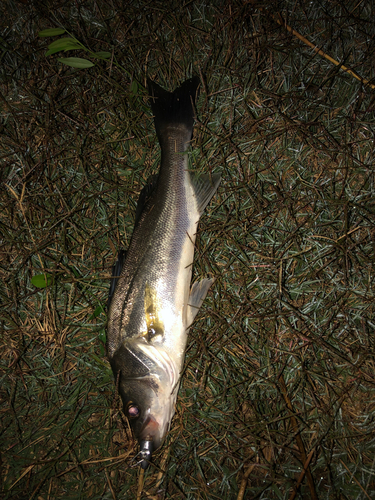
(133, 410)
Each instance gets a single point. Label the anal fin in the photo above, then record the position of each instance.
(197, 295)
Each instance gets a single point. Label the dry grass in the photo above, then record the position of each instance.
(278, 394)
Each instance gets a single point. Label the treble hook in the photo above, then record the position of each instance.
(147, 447)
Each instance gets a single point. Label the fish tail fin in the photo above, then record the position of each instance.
(173, 108)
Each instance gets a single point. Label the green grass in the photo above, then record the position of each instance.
(279, 368)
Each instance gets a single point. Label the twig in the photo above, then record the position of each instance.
(162, 468)
(302, 475)
(243, 485)
(301, 447)
(279, 19)
(141, 478)
(356, 480)
(110, 484)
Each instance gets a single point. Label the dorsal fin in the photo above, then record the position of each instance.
(205, 186)
(144, 196)
(116, 271)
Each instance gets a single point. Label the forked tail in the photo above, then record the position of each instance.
(173, 108)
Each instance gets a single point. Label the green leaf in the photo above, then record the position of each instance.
(134, 87)
(53, 51)
(103, 337)
(76, 62)
(63, 43)
(103, 340)
(42, 280)
(101, 362)
(51, 32)
(101, 55)
(97, 311)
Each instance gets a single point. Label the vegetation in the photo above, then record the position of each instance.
(277, 399)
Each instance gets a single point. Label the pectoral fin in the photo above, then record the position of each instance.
(197, 295)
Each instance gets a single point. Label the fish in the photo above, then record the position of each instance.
(151, 302)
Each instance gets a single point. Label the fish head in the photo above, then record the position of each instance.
(147, 381)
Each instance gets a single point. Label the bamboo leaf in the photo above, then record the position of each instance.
(101, 55)
(53, 51)
(51, 32)
(76, 62)
(63, 43)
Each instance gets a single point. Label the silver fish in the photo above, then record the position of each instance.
(152, 305)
